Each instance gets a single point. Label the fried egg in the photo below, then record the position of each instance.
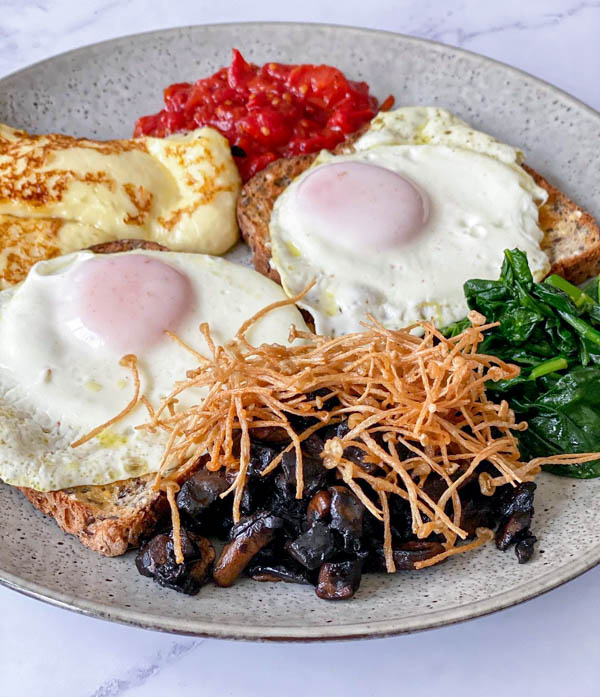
(395, 228)
(63, 332)
(59, 194)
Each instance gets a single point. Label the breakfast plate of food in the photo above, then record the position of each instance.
(299, 333)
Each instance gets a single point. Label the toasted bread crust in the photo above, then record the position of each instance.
(126, 246)
(255, 206)
(111, 518)
(108, 519)
(110, 535)
(571, 236)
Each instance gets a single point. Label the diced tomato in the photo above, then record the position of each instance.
(268, 112)
(176, 96)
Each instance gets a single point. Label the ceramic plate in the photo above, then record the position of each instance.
(98, 91)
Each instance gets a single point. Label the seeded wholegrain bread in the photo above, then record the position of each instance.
(571, 236)
(108, 519)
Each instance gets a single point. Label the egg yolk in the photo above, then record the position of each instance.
(361, 205)
(125, 303)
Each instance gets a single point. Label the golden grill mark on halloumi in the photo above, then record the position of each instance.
(68, 193)
(23, 242)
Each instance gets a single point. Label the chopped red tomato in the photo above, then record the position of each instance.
(267, 112)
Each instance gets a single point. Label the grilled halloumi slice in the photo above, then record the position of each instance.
(59, 194)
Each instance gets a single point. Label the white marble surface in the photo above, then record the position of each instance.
(548, 646)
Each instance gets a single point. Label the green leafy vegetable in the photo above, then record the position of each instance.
(551, 330)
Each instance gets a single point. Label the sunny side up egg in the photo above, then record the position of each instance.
(394, 229)
(63, 332)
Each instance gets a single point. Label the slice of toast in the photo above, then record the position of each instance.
(571, 236)
(111, 518)
(108, 519)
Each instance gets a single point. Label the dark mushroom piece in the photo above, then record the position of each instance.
(516, 509)
(157, 559)
(406, 555)
(152, 554)
(270, 434)
(352, 452)
(257, 489)
(248, 537)
(261, 455)
(513, 529)
(400, 519)
(199, 493)
(286, 570)
(477, 510)
(518, 498)
(273, 563)
(347, 512)
(318, 507)
(313, 445)
(339, 580)
(314, 474)
(315, 546)
(524, 548)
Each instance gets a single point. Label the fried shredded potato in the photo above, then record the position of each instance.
(416, 407)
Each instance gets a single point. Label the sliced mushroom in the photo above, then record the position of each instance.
(261, 455)
(317, 545)
(347, 513)
(200, 492)
(524, 548)
(152, 555)
(248, 537)
(285, 571)
(477, 510)
(409, 553)
(202, 567)
(318, 507)
(405, 555)
(513, 529)
(313, 473)
(270, 434)
(518, 498)
(339, 580)
(157, 559)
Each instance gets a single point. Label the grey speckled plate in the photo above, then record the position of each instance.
(99, 91)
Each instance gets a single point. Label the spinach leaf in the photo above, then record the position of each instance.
(551, 330)
(564, 419)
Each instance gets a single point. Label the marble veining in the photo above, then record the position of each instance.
(551, 640)
(139, 675)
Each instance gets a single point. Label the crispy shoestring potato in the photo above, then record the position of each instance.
(415, 405)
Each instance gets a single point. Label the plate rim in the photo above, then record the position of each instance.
(322, 25)
(325, 632)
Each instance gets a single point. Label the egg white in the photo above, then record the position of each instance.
(54, 388)
(481, 203)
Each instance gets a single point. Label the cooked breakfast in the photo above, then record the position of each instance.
(379, 395)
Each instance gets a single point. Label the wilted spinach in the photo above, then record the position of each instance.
(552, 331)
